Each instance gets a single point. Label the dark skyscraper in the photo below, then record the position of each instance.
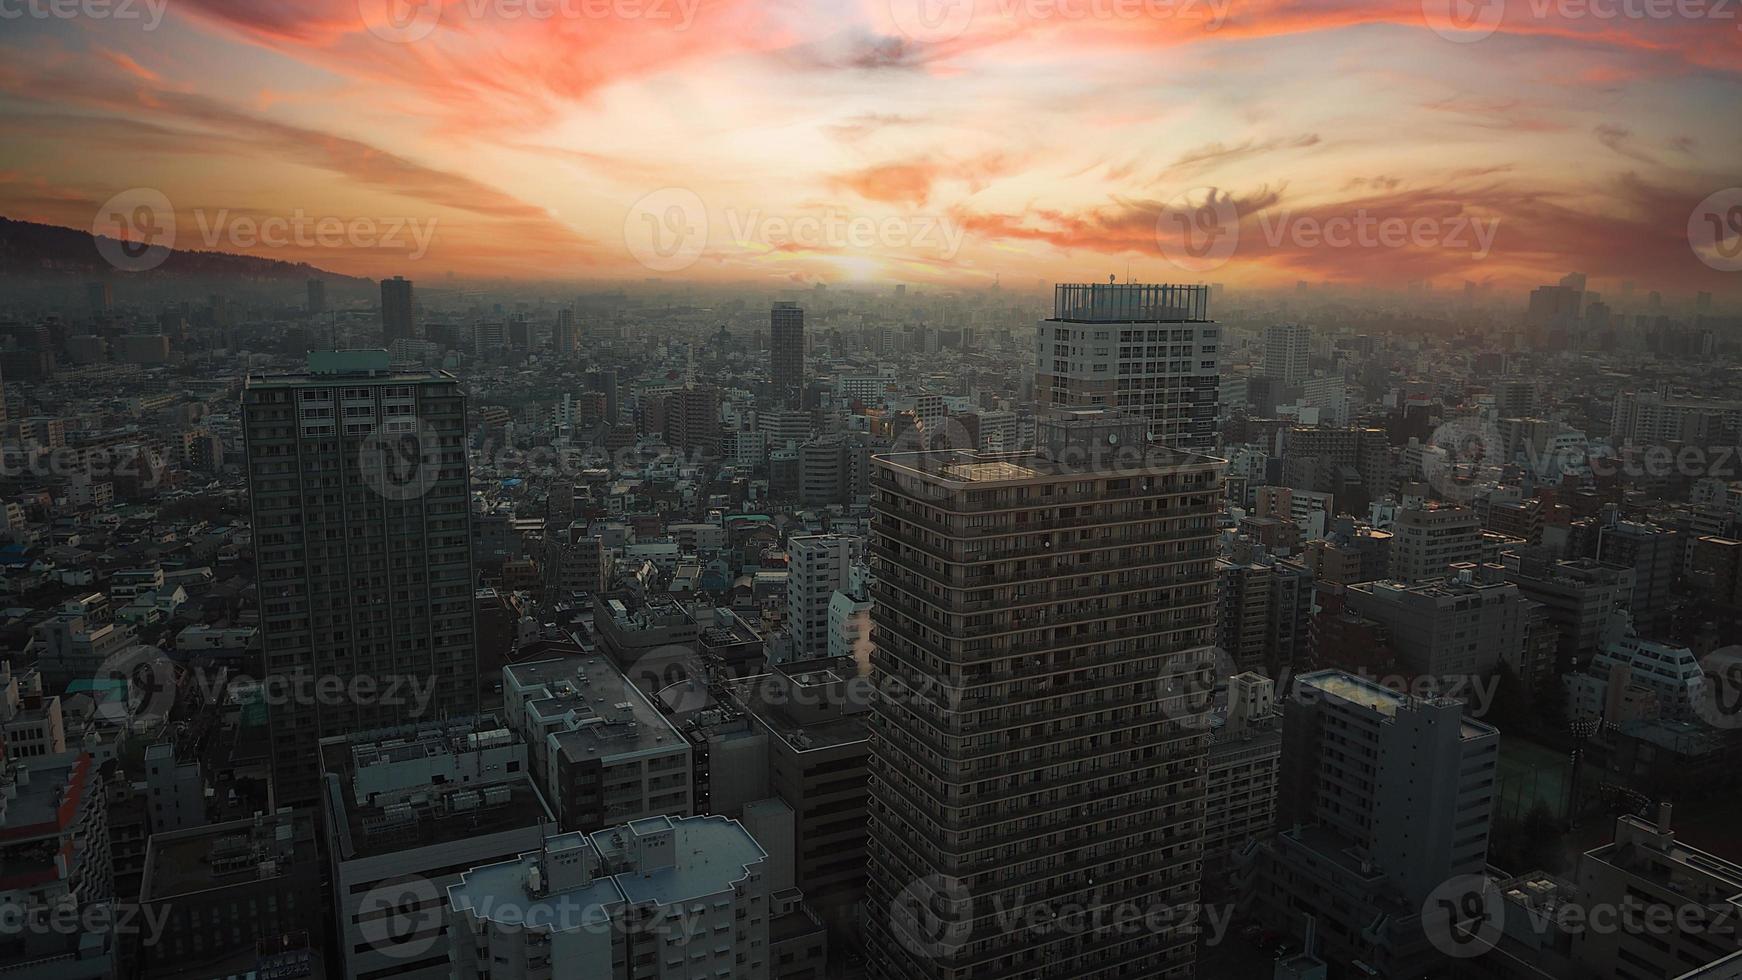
(396, 320)
(358, 481)
(317, 296)
(1043, 629)
(786, 352)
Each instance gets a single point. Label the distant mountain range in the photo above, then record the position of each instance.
(31, 251)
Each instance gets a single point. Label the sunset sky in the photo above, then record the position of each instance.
(902, 140)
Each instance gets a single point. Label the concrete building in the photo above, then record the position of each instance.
(1060, 600)
(404, 812)
(819, 565)
(397, 322)
(1387, 797)
(815, 715)
(31, 724)
(599, 749)
(358, 481)
(1578, 596)
(1244, 757)
(1288, 352)
(1655, 555)
(1150, 350)
(223, 890)
(659, 898)
(1449, 630)
(54, 854)
(1426, 540)
(786, 350)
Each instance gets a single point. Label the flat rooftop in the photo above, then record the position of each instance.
(614, 716)
(965, 467)
(804, 703)
(226, 855)
(709, 854)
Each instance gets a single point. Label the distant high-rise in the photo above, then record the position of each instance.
(100, 295)
(563, 337)
(786, 352)
(1147, 349)
(1288, 352)
(396, 320)
(1043, 628)
(358, 479)
(317, 296)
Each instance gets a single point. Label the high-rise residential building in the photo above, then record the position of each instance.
(786, 353)
(317, 297)
(358, 480)
(1150, 350)
(819, 565)
(1578, 597)
(1043, 627)
(1426, 541)
(660, 897)
(692, 419)
(56, 872)
(1288, 352)
(1245, 753)
(396, 316)
(1657, 418)
(1386, 797)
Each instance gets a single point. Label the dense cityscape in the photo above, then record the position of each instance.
(768, 510)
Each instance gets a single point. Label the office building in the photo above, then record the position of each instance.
(600, 750)
(1450, 630)
(358, 482)
(1427, 540)
(397, 321)
(1386, 797)
(317, 297)
(419, 805)
(815, 719)
(1655, 554)
(819, 565)
(1288, 352)
(1051, 599)
(786, 354)
(1150, 350)
(227, 892)
(657, 898)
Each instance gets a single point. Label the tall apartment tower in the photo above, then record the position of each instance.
(786, 352)
(820, 565)
(1146, 349)
(1043, 629)
(1387, 798)
(396, 322)
(358, 480)
(1288, 352)
(317, 296)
